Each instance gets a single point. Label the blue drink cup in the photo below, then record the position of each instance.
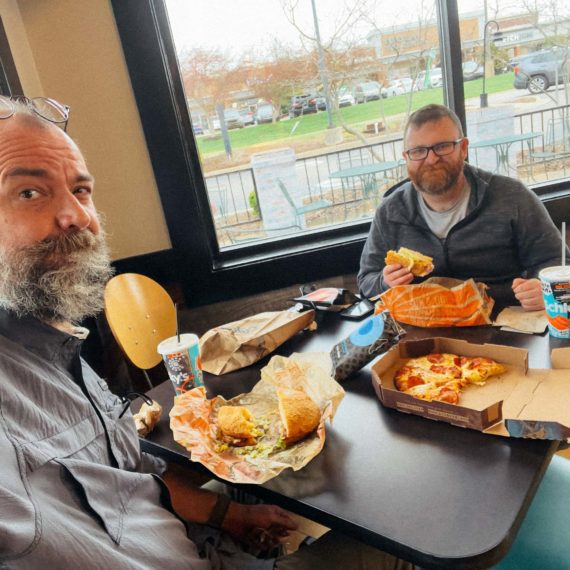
(555, 283)
(182, 360)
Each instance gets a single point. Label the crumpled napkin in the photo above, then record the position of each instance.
(516, 319)
(147, 417)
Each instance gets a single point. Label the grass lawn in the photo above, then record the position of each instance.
(356, 115)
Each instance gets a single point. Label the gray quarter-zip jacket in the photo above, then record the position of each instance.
(506, 233)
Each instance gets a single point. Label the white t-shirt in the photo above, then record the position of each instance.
(441, 222)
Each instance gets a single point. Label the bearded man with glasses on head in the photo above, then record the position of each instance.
(473, 223)
(75, 489)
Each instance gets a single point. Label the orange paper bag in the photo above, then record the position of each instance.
(439, 302)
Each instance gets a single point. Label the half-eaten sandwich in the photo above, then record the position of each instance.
(300, 416)
(236, 425)
(418, 263)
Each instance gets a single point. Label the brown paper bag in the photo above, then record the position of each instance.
(241, 343)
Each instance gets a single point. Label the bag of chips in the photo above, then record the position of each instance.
(373, 337)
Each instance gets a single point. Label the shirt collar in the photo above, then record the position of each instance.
(42, 339)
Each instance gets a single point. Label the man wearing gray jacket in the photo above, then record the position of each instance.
(473, 223)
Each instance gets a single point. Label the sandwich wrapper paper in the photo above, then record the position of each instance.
(238, 344)
(193, 420)
(439, 302)
(516, 319)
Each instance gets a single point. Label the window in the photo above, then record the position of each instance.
(223, 238)
(319, 159)
(517, 107)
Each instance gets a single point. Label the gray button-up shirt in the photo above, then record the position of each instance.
(75, 491)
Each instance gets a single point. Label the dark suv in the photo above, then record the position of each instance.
(302, 105)
(538, 71)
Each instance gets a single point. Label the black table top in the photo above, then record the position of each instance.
(434, 494)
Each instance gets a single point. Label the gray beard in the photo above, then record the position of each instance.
(59, 279)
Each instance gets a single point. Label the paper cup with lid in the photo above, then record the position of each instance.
(181, 357)
(556, 292)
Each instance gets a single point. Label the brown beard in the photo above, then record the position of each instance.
(57, 279)
(437, 179)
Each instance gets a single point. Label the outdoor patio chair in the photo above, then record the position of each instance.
(556, 143)
(300, 211)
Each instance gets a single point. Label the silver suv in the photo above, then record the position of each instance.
(539, 70)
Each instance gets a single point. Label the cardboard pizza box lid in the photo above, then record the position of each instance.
(519, 403)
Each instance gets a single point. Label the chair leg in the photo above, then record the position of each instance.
(147, 378)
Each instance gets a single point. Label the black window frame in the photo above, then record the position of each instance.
(207, 273)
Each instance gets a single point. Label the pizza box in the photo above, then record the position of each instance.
(522, 402)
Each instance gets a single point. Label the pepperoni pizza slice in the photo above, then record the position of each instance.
(442, 376)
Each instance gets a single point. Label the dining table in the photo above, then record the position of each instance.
(370, 176)
(502, 146)
(432, 493)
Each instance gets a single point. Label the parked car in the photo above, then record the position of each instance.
(321, 103)
(539, 70)
(232, 118)
(434, 79)
(407, 84)
(367, 91)
(302, 105)
(264, 113)
(247, 117)
(197, 129)
(472, 70)
(393, 88)
(345, 98)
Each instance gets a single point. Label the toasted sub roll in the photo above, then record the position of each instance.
(418, 263)
(299, 414)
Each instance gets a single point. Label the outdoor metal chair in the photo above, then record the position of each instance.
(300, 211)
(556, 143)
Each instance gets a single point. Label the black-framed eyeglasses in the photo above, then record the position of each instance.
(48, 109)
(439, 149)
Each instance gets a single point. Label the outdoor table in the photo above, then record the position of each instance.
(427, 491)
(502, 146)
(367, 174)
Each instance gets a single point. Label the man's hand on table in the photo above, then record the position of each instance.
(395, 274)
(261, 526)
(528, 293)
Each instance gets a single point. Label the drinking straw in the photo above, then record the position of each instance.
(563, 235)
(177, 329)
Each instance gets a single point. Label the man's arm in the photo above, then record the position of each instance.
(538, 239)
(262, 524)
(370, 278)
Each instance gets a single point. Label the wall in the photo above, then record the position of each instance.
(70, 50)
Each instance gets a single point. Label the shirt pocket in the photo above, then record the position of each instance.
(106, 491)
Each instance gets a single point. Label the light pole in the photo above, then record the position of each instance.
(483, 96)
(322, 68)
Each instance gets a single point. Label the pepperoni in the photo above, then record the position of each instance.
(437, 368)
(475, 363)
(454, 372)
(435, 358)
(457, 361)
(449, 396)
(415, 381)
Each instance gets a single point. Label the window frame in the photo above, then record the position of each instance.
(207, 273)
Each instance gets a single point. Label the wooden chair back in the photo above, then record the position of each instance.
(140, 314)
